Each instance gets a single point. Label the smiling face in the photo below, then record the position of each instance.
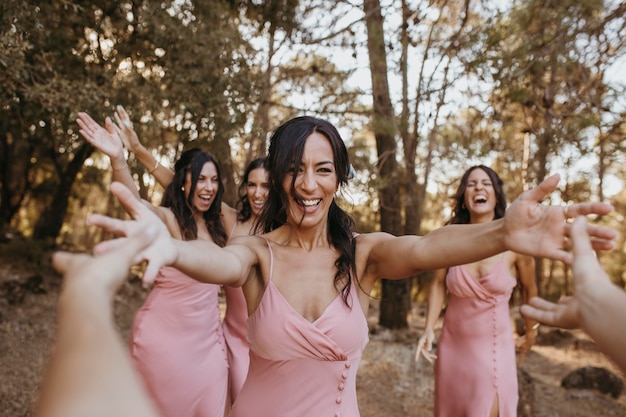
(314, 183)
(257, 188)
(480, 196)
(206, 187)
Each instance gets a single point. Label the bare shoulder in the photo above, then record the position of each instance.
(366, 242)
(253, 244)
(167, 216)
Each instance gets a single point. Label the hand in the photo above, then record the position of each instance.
(108, 270)
(425, 345)
(538, 230)
(125, 129)
(106, 140)
(525, 343)
(590, 281)
(162, 250)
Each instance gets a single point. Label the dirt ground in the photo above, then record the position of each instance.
(389, 383)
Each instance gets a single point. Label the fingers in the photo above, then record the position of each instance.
(540, 303)
(127, 199)
(543, 189)
(584, 209)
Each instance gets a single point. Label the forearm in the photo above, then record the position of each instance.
(436, 299)
(89, 372)
(121, 173)
(600, 311)
(163, 175)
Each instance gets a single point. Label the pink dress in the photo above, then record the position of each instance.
(476, 352)
(178, 346)
(300, 368)
(236, 333)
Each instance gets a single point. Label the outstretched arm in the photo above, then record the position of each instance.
(89, 372)
(108, 142)
(201, 259)
(528, 227)
(596, 305)
(126, 131)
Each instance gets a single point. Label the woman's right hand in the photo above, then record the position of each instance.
(425, 346)
(105, 140)
(125, 129)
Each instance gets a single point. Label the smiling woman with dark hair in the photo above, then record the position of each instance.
(307, 279)
(476, 347)
(177, 341)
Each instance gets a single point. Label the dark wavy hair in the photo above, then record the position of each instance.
(243, 205)
(286, 149)
(460, 213)
(192, 161)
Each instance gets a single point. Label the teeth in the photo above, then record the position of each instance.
(310, 202)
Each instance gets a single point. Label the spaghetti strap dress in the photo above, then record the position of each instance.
(236, 336)
(300, 368)
(178, 347)
(476, 351)
(235, 327)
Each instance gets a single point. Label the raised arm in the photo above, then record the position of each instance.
(108, 142)
(596, 305)
(436, 299)
(89, 372)
(163, 175)
(200, 259)
(528, 227)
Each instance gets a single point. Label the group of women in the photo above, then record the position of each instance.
(307, 275)
(178, 338)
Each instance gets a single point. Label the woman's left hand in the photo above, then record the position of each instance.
(539, 230)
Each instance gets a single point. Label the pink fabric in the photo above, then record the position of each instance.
(236, 332)
(177, 345)
(299, 368)
(476, 352)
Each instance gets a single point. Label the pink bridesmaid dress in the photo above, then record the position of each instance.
(476, 351)
(236, 335)
(300, 368)
(178, 346)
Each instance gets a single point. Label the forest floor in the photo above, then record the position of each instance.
(389, 382)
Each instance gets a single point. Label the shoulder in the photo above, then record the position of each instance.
(372, 238)
(367, 244)
(168, 217)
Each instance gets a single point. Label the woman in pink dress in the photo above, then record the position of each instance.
(253, 194)
(177, 342)
(475, 371)
(253, 191)
(307, 279)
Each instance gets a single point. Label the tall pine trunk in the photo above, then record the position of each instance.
(395, 303)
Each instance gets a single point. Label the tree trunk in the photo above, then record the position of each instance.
(395, 303)
(51, 220)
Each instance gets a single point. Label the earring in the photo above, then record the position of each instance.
(182, 189)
